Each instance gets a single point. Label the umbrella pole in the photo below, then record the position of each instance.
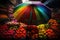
(30, 20)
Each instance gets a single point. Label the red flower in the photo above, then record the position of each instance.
(34, 36)
(50, 33)
(8, 34)
(20, 33)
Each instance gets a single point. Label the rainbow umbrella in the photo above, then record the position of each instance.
(32, 13)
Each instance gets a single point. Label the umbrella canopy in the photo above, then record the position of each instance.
(32, 13)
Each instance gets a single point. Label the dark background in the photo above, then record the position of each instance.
(52, 4)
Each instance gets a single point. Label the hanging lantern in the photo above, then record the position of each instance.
(3, 16)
